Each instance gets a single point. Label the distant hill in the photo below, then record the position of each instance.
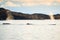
(57, 16)
(6, 14)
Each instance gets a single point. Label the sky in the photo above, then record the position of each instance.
(32, 6)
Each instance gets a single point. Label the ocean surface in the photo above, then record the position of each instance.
(35, 30)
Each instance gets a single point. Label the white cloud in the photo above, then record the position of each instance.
(0, 0)
(18, 3)
(35, 2)
(10, 4)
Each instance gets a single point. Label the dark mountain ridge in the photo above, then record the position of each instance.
(7, 14)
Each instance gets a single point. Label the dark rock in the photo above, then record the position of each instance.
(3, 14)
(57, 16)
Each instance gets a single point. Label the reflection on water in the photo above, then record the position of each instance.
(29, 32)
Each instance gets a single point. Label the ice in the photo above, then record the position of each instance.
(39, 30)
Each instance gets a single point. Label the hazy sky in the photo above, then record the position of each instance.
(32, 6)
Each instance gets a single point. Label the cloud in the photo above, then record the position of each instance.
(35, 2)
(1, 0)
(11, 4)
(18, 3)
(58, 0)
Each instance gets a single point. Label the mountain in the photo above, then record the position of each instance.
(3, 14)
(57, 16)
(6, 14)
